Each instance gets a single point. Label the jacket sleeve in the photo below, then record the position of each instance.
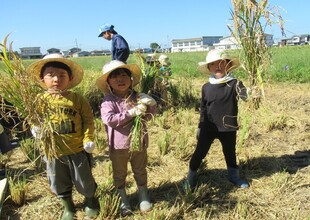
(203, 108)
(121, 49)
(112, 117)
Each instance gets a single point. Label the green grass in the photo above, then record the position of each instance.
(185, 64)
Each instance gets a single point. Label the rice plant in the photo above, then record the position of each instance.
(248, 30)
(18, 189)
(19, 88)
(136, 134)
(31, 153)
(109, 204)
(164, 143)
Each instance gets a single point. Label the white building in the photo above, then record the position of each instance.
(194, 44)
(230, 42)
(227, 43)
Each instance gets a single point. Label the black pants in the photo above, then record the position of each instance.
(206, 138)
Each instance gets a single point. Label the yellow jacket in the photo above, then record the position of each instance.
(72, 121)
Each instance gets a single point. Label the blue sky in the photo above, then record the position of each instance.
(65, 24)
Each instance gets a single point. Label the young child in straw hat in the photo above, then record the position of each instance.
(73, 125)
(160, 68)
(165, 72)
(120, 106)
(218, 114)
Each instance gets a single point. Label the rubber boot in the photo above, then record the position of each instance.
(145, 204)
(191, 180)
(125, 206)
(233, 176)
(68, 208)
(90, 208)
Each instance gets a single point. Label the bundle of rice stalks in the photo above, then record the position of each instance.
(147, 85)
(248, 30)
(150, 75)
(19, 88)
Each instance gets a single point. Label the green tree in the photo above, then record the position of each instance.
(154, 46)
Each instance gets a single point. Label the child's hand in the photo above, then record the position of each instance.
(137, 110)
(146, 99)
(89, 147)
(1, 129)
(35, 131)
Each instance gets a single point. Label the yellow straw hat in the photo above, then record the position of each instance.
(102, 81)
(36, 67)
(214, 55)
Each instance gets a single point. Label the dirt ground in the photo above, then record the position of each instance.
(278, 148)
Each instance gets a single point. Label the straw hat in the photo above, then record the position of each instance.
(77, 71)
(102, 81)
(215, 55)
(151, 58)
(164, 60)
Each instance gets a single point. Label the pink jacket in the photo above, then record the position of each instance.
(118, 122)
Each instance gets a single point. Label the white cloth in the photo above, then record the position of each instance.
(146, 99)
(137, 110)
(224, 79)
(35, 131)
(89, 147)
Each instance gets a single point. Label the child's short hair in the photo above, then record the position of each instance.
(114, 72)
(56, 64)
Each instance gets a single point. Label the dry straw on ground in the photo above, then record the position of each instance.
(275, 160)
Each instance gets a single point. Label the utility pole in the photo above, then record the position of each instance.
(76, 43)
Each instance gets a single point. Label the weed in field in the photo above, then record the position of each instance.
(277, 123)
(18, 189)
(109, 205)
(32, 154)
(164, 143)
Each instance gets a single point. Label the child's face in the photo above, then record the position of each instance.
(120, 82)
(219, 68)
(107, 35)
(56, 78)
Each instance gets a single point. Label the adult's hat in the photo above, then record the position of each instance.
(104, 28)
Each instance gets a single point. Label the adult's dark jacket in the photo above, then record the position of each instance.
(120, 49)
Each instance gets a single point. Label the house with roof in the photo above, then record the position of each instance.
(194, 44)
(81, 54)
(53, 50)
(73, 51)
(100, 53)
(227, 43)
(296, 40)
(30, 53)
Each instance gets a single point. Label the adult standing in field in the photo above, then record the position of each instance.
(120, 49)
(218, 115)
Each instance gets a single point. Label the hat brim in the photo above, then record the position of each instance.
(203, 66)
(77, 71)
(101, 34)
(166, 63)
(102, 81)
